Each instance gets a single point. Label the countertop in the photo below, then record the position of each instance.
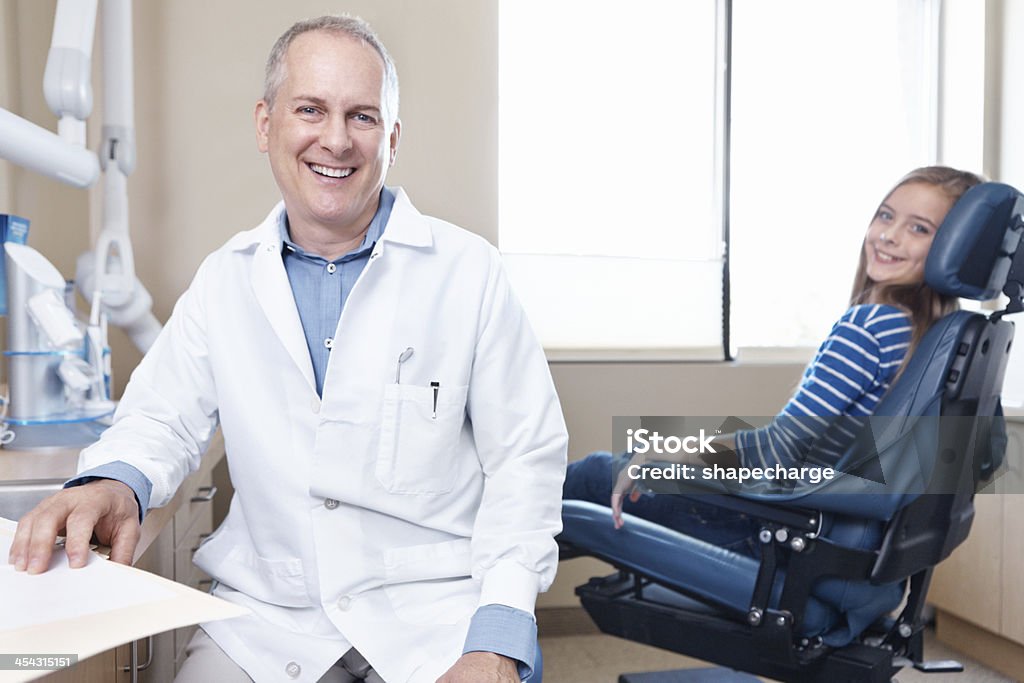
(50, 464)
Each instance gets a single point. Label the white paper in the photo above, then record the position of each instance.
(65, 593)
(86, 611)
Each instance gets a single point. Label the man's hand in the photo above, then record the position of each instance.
(105, 507)
(482, 667)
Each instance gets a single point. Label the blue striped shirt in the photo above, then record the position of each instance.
(850, 373)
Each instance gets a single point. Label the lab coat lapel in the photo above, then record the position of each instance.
(274, 294)
(407, 225)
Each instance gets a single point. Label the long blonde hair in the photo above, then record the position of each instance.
(921, 302)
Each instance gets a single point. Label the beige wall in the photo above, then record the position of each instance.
(8, 70)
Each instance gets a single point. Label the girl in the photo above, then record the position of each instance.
(891, 307)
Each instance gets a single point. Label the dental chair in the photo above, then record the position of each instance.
(838, 590)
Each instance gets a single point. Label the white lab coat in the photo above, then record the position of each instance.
(361, 514)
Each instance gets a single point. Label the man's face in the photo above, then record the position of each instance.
(326, 135)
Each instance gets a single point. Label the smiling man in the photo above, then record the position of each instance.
(328, 122)
(393, 435)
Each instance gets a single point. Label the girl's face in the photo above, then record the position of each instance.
(899, 237)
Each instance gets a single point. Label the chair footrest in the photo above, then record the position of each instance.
(941, 666)
(716, 675)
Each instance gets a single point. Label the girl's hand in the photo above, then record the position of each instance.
(624, 486)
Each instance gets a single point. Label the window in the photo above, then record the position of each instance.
(606, 171)
(832, 103)
(609, 167)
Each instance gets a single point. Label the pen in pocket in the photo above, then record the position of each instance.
(401, 359)
(436, 386)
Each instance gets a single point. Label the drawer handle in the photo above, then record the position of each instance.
(210, 492)
(134, 665)
(202, 537)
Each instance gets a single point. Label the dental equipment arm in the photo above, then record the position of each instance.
(135, 316)
(63, 156)
(66, 86)
(115, 262)
(42, 151)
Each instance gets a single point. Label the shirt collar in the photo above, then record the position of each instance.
(373, 232)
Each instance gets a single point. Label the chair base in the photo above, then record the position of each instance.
(690, 676)
(715, 637)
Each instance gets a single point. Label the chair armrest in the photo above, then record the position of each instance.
(847, 494)
(801, 519)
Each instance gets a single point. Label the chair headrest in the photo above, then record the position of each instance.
(974, 248)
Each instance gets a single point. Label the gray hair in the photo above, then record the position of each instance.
(344, 24)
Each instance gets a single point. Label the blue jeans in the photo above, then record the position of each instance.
(592, 479)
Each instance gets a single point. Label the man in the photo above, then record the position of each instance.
(392, 431)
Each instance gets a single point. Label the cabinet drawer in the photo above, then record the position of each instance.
(198, 504)
(187, 573)
(186, 549)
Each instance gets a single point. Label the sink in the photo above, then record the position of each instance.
(17, 498)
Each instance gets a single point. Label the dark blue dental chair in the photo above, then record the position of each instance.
(838, 589)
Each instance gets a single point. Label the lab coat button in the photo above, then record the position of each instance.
(331, 268)
(293, 670)
(330, 503)
(329, 343)
(344, 603)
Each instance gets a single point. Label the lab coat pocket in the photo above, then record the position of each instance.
(419, 434)
(277, 581)
(430, 584)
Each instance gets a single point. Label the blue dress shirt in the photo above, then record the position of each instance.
(320, 288)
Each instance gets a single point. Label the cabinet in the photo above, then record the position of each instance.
(170, 537)
(193, 523)
(977, 591)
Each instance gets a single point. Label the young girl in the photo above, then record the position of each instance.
(890, 309)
